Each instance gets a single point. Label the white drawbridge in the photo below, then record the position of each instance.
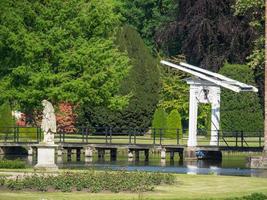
(205, 87)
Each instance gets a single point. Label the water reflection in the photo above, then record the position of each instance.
(230, 164)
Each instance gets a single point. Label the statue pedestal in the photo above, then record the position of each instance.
(46, 157)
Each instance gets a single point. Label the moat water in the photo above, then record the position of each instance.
(231, 164)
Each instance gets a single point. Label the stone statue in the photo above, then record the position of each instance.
(48, 122)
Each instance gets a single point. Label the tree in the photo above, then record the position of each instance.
(254, 11)
(159, 121)
(142, 83)
(60, 51)
(174, 124)
(207, 33)
(240, 111)
(148, 16)
(6, 119)
(66, 118)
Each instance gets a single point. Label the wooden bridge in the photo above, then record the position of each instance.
(101, 140)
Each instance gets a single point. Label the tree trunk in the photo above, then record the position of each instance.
(265, 84)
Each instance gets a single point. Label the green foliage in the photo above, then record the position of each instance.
(159, 121)
(92, 181)
(254, 10)
(12, 164)
(173, 123)
(240, 111)
(60, 51)
(253, 196)
(26, 133)
(6, 119)
(149, 16)
(142, 83)
(2, 180)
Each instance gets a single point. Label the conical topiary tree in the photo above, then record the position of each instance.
(6, 120)
(159, 121)
(174, 124)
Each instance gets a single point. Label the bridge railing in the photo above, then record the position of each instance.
(241, 138)
(132, 136)
(20, 134)
(117, 135)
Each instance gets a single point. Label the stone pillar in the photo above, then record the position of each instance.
(163, 153)
(2, 151)
(190, 153)
(30, 151)
(88, 152)
(59, 159)
(193, 105)
(78, 155)
(215, 117)
(46, 157)
(30, 159)
(60, 151)
(88, 159)
(130, 155)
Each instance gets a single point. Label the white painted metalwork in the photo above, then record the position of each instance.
(206, 88)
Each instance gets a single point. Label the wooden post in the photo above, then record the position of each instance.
(136, 155)
(146, 155)
(78, 155)
(113, 154)
(69, 154)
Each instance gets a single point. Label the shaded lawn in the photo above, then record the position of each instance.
(186, 187)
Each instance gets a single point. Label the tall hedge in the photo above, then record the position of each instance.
(6, 119)
(240, 111)
(142, 84)
(173, 123)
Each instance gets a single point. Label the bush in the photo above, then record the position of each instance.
(6, 119)
(12, 164)
(93, 181)
(253, 196)
(240, 111)
(173, 123)
(159, 120)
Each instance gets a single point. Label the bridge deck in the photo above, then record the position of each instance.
(136, 146)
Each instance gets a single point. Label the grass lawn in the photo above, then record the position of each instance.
(186, 187)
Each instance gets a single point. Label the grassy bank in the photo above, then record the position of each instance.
(185, 187)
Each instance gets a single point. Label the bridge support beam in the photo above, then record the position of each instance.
(163, 153)
(69, 151)
(2, 151)
(113, 154)
(78, 155)
(259, 162)
(136, 153)
(30, 151)
(88, 151)
(146, 155)
(60, 151)
(190, 153)
(101, 154)
(130, 155)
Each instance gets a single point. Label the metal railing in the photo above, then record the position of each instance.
(130, 136)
